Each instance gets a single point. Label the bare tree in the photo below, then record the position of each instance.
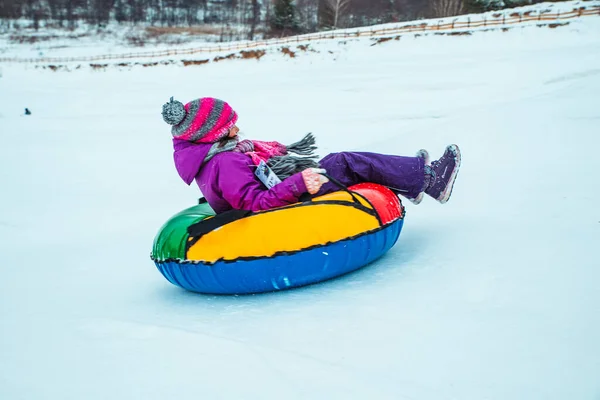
(330, 11)
(337, 7)
(254, 18)
(34, 10)
(446, 8)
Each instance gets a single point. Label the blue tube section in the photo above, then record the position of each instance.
(284, 271)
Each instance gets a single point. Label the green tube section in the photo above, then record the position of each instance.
(170, 241)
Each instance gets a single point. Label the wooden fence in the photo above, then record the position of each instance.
(497, 20)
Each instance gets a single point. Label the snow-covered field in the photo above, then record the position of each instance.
(494, 295)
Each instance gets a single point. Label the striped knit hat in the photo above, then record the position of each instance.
(205, 120)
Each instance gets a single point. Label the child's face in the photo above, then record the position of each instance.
(233, 131)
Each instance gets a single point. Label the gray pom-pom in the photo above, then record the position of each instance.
(173, 112)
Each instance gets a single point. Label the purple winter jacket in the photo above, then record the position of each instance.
(227, 180)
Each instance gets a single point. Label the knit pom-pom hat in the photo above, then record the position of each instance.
(204, 120)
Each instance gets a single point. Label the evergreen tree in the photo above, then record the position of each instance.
(284, 16)
(121, 14)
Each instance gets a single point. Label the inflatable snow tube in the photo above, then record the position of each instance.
(241, 252)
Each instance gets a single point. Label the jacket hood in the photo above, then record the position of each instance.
(189, 158)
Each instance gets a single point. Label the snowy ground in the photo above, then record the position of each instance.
(492, 296)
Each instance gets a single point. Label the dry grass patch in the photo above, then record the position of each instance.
(227, 57)
(557, 24)
(27, 39)
(253, 54)
(30, 39)
(382, 40)
(187, 63)
(286, 50)
(157, 31)
(98, 66)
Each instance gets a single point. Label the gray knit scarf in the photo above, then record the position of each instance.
(283, 166)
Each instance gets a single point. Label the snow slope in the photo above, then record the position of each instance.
(491, 296)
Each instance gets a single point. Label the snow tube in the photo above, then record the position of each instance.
(241, 252)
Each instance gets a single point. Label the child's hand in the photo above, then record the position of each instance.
(313, 179)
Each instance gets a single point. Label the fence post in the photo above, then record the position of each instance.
(503, 18)
(468, 22)
(484, 22)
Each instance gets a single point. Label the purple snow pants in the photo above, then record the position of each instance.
(403, 175)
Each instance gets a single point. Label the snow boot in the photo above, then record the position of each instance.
(443, 174)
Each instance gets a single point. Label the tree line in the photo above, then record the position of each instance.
(270, 17)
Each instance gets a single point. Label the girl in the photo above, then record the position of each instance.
(208, 150)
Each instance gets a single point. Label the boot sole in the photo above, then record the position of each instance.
(445, 196)
(417, 200)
